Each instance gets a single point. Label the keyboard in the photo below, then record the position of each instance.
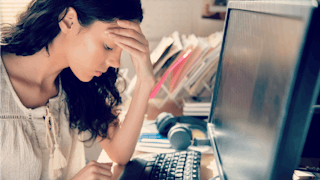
(183, 165)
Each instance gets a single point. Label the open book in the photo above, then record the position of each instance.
(168, 54)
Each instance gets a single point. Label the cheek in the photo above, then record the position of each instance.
(85, 53)
(82, 59)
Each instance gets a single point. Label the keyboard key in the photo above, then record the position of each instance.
(164, 170)
(179, 171)
(162, 156)
(154, 176)
(171, 174)
(183, 152)
(183, 155)
(156, 172)
(180, 167)
(162, 175)
(178, 175)
(170, 178)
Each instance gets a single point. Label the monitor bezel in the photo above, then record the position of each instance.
(287, 9)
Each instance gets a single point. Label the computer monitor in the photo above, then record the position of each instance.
(267, 84)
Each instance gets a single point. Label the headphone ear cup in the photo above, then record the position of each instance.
(164, 122)
(180, 137)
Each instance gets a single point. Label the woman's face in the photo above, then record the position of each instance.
(91, 51)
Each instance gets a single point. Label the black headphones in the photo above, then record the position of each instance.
(182, 131)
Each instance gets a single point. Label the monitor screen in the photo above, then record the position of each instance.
(258, 61)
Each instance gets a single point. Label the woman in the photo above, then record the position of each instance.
(59, 66)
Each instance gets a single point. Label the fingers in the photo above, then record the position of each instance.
(100, 169)
(130, 33)
(131, 43)
(129, 37)
(134, 52)
(105, 165)
(129, 25)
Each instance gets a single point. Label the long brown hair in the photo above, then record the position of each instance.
(38, 26)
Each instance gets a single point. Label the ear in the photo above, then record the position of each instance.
(69, 23)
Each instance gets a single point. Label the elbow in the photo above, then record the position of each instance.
(122, 163)
(121, 157)
(121, 160)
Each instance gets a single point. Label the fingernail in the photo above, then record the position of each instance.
(121, 22)
(112, 35)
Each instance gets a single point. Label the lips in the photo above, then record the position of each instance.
(98, 73)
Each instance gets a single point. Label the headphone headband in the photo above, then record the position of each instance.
(192, 120)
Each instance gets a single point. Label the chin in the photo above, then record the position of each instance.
(85, 79)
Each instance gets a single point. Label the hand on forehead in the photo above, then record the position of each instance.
(125, 24)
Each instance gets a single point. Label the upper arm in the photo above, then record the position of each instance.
(112, 128)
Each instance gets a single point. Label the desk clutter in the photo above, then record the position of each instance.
(170, 133)
(183, 165)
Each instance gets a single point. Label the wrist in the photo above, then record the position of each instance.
(146, 86)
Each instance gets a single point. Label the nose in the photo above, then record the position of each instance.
(114, 62)
(114, 59)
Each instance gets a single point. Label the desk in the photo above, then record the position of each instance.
(207, 167)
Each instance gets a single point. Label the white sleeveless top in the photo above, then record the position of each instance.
(26, 141)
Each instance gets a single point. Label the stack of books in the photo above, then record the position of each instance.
(196, 106)
(183, 66)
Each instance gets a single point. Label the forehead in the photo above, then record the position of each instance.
(100, 26)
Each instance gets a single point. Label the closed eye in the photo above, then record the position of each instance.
(107, 47)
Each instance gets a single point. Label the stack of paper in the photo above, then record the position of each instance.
(196, 106)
